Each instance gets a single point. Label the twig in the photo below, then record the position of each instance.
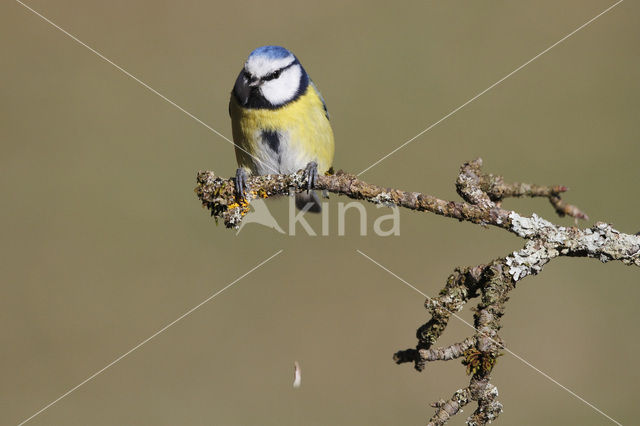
(491, 282)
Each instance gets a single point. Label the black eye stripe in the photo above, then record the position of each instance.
(275, 74)
(272, 75)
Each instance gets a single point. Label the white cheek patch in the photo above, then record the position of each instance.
(260, 66)
(284, 88)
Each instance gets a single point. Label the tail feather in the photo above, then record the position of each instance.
(309, 202)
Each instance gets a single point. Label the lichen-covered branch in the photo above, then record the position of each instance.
(482, 193)
(219, 196)
(447, 353)
(491, 283)
(447, 409)
(471, 180)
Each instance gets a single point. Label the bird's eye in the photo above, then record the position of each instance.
(272, 76)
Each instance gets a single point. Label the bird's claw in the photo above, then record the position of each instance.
(311, 174)
(241, 184)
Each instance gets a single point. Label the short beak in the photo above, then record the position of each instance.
(254, 82)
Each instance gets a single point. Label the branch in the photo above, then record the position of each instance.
(491, 283)
(218, 195)
(447, 353)
(482, 192)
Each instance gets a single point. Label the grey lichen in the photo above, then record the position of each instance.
(604, 242)
(489, 410)
(235, 217)
(383, 198)
(297, 179)
(528, 227)
(529, 260)
(461, 396)
(546, 241)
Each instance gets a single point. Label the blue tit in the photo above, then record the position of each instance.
(280, 121)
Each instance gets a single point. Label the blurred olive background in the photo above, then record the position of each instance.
(104, 241)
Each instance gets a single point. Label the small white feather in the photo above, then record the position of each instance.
(297, 375)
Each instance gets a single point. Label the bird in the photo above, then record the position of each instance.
(280, 123)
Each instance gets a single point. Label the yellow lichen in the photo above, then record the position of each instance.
(479, 362)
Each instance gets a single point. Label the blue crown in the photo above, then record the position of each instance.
(271, 52)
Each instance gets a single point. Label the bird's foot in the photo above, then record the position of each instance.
(241, 184)
(311, 174)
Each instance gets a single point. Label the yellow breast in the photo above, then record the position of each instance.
(303, 129)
